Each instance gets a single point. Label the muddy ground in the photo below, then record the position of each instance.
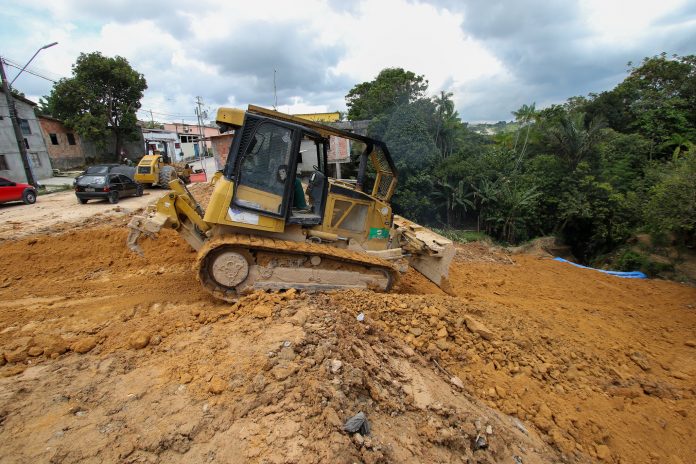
(109, 357)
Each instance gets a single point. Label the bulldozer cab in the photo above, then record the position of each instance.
(263, 165)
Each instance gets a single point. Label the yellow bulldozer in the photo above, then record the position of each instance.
(260, 231)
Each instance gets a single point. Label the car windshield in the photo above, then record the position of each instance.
(97, 170)
(88, 180)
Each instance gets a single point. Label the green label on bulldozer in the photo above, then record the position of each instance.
(378, 233)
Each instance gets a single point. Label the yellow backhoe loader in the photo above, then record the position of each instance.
(258, 233)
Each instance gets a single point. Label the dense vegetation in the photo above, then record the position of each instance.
(593, 170)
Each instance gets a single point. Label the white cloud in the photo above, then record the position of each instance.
(493, 56)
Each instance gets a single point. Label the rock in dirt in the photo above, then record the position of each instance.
(480, 442)
(457, 382)
(84, 345)
(336, 366)
(51, 344)
(690, 343)
(357, 423)
(262, 311)
(35, 351)
(217, 385)
(139, 340)
(603, 452)
(478, 328)
(640, 359)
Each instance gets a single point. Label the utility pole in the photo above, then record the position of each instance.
(152, 119)
(15, 125)
(200, 127)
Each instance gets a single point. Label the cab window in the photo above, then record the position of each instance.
(265, 168)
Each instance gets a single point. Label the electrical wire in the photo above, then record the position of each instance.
(167, 114)
(29, 72)
(37, 69)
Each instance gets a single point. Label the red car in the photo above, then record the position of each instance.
(13, 191)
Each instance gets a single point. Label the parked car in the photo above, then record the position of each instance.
(100, 169)
(14, 191)
(105, 186)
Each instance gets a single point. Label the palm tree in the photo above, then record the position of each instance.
(574, 139)
(524, 116)
(456, 198)
(447, 122)
(680, 143)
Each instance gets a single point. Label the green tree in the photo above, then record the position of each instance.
(408, 138)
(570, 136)
(671, 207)
(657, 100)
(99, 100)
(391, 88)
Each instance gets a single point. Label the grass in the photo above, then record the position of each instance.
(463, 236)
(53, 189)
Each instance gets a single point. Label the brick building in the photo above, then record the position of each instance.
(221, 147)
(64, 146)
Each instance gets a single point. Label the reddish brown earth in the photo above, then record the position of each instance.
(109, 357)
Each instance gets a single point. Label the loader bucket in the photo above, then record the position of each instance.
(431, 253)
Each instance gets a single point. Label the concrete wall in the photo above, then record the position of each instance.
(37, 153)
(63, 155)
(134, 150)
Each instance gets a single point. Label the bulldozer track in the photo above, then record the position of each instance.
(251, 244)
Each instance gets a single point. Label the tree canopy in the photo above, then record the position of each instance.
(593, 170)
(392, 87)
(100, 100)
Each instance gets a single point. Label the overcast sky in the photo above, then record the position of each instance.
(493, 55)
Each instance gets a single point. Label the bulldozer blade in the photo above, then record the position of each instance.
(431, 253)
(143, 225)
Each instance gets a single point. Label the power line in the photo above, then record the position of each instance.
(30, 72)
(34, 69)
(191, 116)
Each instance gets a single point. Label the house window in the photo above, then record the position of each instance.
(26, 143)
(71, 138)
(35, 160)
(24, 125)
(3, 164)
(54, 138)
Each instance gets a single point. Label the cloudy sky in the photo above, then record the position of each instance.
(493, 55)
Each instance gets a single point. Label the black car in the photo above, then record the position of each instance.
(111, 187)
(99, 169)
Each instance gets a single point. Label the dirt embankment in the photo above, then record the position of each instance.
(111, 357)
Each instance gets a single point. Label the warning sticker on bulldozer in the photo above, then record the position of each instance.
(245, 217)
(377, 233)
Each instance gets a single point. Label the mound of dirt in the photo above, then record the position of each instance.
(272, 378)
(107, 356)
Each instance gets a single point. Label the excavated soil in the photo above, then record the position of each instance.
(110, 357)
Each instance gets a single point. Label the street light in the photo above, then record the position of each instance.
(32, 59)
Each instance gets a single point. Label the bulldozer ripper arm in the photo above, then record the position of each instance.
(431, 253)
(176, 210)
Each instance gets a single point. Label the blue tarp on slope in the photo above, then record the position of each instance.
(625, 275)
